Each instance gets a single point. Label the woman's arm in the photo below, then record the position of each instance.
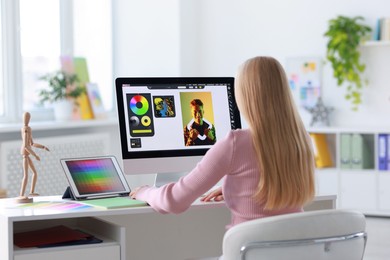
(177, 197)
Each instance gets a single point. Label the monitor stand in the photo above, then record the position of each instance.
(164, 178)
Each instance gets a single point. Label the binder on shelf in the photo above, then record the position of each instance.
(360, 153)
(383, 152)
(345, 151)
(321, 151)
(388, 152)
(357, 151)
(368, 154)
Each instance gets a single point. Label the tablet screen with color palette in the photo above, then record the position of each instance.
(95, 177)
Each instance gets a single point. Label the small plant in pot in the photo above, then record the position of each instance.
(344, 38)
(62, 91)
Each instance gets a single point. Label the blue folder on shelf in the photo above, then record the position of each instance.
(388, 152)
(383, 151)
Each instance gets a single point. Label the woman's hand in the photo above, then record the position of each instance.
(133, 193)
(215, 195)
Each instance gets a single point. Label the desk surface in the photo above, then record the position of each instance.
(194, 233)
(53, 207)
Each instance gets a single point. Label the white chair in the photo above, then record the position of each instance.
(318, 235)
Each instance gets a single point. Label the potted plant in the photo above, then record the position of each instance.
(62, 91)
(345, 35)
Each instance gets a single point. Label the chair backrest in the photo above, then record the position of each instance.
(323, 234)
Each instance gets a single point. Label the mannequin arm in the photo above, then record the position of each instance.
(40, 146)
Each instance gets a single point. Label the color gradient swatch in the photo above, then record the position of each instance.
(95, 176)
(57, 206)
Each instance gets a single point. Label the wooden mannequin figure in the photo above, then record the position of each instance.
(25, 151)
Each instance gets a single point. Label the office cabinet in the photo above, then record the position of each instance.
(356, 176)
(357, 190)
(327, 182)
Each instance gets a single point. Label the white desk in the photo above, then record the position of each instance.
(131, 233)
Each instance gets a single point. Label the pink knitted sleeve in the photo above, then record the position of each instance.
(177, 197)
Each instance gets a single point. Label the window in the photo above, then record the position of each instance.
(92, 39)
(48, 30)
(40, 45)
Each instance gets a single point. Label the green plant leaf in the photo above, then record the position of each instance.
(344, 36)
(61, 85)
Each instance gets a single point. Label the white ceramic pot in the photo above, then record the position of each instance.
(63, 110)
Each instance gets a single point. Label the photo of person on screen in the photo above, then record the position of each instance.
(199, 131)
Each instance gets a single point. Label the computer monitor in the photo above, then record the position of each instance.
(156, 121)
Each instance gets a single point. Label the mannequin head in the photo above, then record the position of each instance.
(26, 118)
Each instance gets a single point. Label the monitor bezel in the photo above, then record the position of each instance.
(119, 82)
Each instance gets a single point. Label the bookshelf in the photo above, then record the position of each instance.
(361, 185)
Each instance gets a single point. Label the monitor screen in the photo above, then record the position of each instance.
(168, 124)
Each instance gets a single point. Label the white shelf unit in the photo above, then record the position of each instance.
(376, 43)
(366, 190)
(112, 247)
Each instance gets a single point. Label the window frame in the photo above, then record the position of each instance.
(12, 57)
(12, 73)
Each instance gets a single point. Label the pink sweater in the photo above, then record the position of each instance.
(233, 158)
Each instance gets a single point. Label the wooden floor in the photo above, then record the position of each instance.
(378, 243)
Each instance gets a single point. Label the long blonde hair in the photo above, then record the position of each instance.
(280, 140)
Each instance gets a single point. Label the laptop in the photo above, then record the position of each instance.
(95, 177)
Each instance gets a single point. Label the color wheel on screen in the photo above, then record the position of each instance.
(140, 113)
(139, 105)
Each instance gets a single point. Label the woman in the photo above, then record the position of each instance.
(268, 169)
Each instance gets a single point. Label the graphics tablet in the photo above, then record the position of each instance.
(95, 177)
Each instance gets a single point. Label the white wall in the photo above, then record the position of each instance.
(211, 38)
(146, 38)
(230, 31)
